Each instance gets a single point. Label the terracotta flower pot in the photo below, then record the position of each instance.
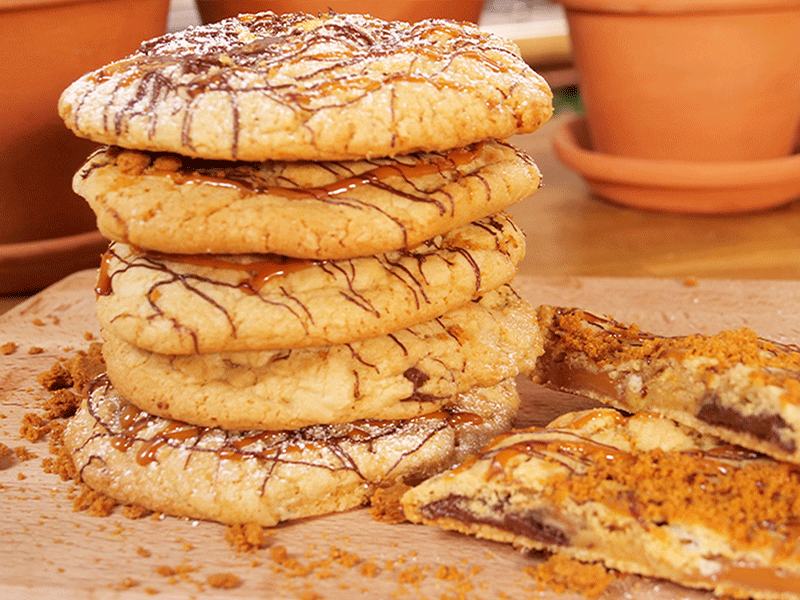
(694, 80)
(396, 10)
(47, 45)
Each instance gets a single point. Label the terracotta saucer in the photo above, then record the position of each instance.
(678, 186)
(30, 266)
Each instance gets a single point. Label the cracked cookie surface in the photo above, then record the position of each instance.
(175, 304)
(299, 87)
(640, 494)
(397, 376)
(268, 477)
(327, 210)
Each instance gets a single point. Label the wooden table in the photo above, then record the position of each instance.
(49, 552)
(572, 232)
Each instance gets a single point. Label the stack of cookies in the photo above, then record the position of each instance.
(307, 291)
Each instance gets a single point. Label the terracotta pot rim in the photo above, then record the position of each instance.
(19, 5)
(667, 7)
(25, 250)
(570, 144)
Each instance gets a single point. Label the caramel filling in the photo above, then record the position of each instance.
(749, 577)
(582, 381)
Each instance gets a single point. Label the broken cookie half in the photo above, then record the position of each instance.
(640, 494)
(733, 385)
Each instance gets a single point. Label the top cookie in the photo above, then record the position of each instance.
(298, 87)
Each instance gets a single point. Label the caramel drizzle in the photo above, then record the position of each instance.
(246, 177)
(213, 59)
(580, 455)
(130, 429)
(260, 273)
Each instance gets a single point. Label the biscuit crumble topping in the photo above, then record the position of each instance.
(754, 502)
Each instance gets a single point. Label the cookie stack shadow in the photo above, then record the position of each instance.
(307, 295)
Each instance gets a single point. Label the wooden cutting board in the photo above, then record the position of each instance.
(48, 551)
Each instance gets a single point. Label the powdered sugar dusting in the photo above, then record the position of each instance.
(289, 79)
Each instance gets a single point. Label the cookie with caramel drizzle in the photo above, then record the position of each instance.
(185, 304)
(327, 210)
(732, 384)
(400, 375)
(303, 87)
(639, 494)
(266, 477)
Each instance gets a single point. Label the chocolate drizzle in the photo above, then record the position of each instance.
(373, 284)
(301, 64)
(328, 447)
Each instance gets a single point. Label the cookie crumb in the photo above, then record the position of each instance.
(35, 350)
(344, 558)
(143, 552)
(8, 348)
(690, 281)
(131, 162)
(134, 511)
(23, 454)
(225, 581)
(56, 378)
(369, 569)
(385, 504)
(167, 163)
(246, 537)
(33, 427)
(127, 583)
(165, 571)
(61, 404)
(92, 502)
(6, 454)
(561, 573)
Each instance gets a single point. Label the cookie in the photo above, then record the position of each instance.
(397, 376)
(174, 304)
(268, 477)
(328, 210)
(300, 87)
(733, 384)
(640, 494)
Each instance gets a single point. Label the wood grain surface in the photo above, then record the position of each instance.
(48, 551)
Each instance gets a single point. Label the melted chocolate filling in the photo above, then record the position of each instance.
(529, 524)
(764, 427)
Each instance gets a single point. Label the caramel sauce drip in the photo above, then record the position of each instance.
(259, 272)
(103, 285)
